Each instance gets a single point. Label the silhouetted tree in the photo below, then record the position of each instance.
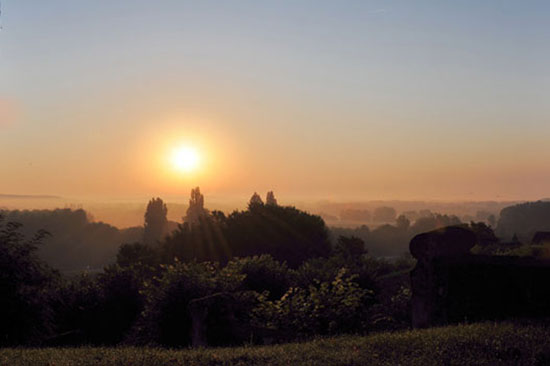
(485, 235)
(263, 273)
(384, 214)
(524, 220)
(136, 253)
(355, 215)
(388, 240)
(482, 216)
(286, 233)
(255, 201)
(155, 221)
(432, 222)
(403, 223)
(203, 240)
(100, 309)
(350, 248)
(270, 199)
(196, 208)
(492, 221)
(25, 288)
(411, 215)
(75, 243)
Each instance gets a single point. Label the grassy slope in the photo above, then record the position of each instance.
(478, 344)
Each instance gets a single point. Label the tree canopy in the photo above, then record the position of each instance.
(286, 233)
(155, 221)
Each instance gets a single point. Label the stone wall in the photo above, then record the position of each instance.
(450, 285)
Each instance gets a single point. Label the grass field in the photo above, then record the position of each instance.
(477, 344)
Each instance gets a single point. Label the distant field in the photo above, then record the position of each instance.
(479, 344)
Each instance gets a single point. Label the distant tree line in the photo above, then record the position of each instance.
(75, 241)
(389, 240)
(286, 233)
(268, 272)
(524, 220)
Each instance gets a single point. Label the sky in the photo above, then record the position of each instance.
(320, 99)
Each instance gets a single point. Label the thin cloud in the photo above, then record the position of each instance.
(379, 11)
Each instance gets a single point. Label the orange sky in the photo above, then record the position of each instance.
(379, 100)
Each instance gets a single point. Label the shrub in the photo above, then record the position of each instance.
(100, 309)
(25, 288)
(332, 307)
(137, 253)
(77, 308)
(167, 317)
(263, 273)
(286, 233)
(364, 270)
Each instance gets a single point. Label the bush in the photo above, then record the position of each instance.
(100, 309)
(78, 314)
(332, 307)
(137, 253)
(363, 269)
(167, 317)
(263, 273)
(25, 288)
(286, 233)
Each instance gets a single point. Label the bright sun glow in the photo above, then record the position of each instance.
(185, 159)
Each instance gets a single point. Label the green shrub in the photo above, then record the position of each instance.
(167, 320)
(78, 314)
(100, 309)
(137, 253)
(332, 307)
(263, 273)
(365, 269)
(25, 288)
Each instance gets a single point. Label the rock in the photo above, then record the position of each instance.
(445, 242)
(428, 289)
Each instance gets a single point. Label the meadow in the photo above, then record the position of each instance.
(506, 343)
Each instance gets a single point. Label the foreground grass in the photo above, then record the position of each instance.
(477, 344)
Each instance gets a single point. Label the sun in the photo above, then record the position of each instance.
(185, 159)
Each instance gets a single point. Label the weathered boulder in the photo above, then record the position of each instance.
(450, 285)
(445, 242)
(428, 288)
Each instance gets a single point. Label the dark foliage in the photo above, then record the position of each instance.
(75, 243)
(355, 215)
(155, 221)
(384, 214)
(323, 307)
(524, 220)
(263, 273)
(203, 240)
(167, 317)
(393, 240)
(99, 309)
(286, 233)
(349, 248)
(269, 271)
(25, 288)
(137, 253)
